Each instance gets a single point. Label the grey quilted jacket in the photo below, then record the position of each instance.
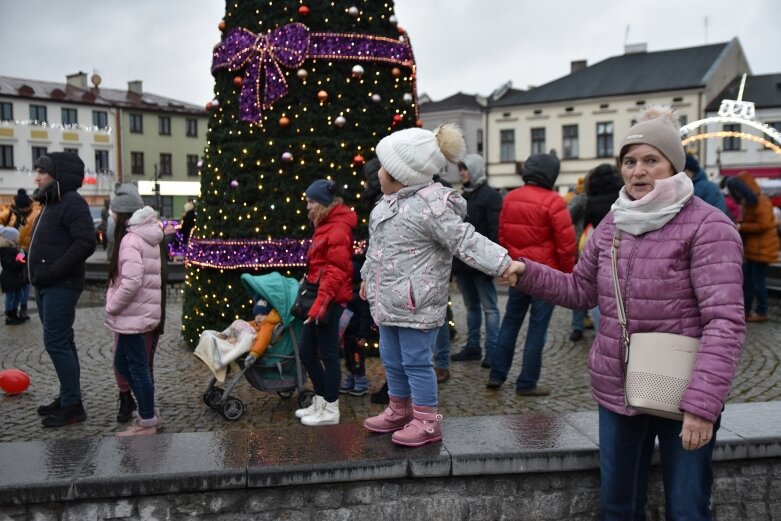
(412, 240)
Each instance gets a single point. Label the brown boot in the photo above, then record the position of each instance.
(394, 417)
(424, 428)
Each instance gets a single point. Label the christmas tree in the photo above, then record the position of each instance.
(303, 90)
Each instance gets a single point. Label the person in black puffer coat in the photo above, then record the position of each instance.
(62, 240)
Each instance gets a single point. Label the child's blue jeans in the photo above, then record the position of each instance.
(130, 360)
(406, 356)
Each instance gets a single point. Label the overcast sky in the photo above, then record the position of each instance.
(470, 46)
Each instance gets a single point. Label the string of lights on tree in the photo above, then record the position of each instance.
(303, 90)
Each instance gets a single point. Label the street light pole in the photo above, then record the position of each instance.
(157, 192)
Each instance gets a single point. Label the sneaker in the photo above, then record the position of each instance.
(576, 335)
(443, 375)
(65, 416)
(347, 384)
(326, 414)
(537, 390)
(756, 318)
(49, 408)
(465, 355)
(361, 386)
(306, 411)
(493, 384)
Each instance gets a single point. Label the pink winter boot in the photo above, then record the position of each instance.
(394, 417)
(424, 428)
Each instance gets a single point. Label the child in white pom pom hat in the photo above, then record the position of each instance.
(414, 232)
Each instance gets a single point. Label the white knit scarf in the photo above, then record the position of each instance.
(655, 208)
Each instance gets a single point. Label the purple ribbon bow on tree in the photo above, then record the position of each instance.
(289, 46)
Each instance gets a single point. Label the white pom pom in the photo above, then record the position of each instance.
(451, 142)
(659, 111)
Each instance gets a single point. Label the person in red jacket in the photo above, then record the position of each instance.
(534, 223)
(330, 266)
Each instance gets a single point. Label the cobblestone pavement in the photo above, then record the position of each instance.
(181, 378)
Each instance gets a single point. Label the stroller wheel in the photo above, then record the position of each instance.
(232, 409)
(305, 398)
(213, 397)
(285, 394)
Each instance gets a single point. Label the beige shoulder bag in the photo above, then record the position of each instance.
(657, 365)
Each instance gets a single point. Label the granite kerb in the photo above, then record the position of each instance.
(63, 470)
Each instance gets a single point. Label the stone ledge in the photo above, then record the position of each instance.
(77, 469)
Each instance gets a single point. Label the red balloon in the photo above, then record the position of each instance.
(14, 381)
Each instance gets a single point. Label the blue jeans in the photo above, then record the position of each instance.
(320, 354)
(755, 286)
(25, 297)
(12, 300)
(578, 316)
(406, 356)
(57, 311)
(131, 361)
(441, 351)
(479, 293)
(626, 444)
(539, 318)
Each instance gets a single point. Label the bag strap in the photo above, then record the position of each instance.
(617, 288)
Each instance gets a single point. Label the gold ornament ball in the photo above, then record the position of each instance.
(302, 74)
(396, 72)
(221, 25)
(322, 95)
(284, 122)
(237, 81)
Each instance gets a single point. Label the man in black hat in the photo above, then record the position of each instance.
(62, 240)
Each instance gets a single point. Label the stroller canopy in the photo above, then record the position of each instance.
(278, 290)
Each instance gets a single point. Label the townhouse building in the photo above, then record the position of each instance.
(121, 135)
(582, 116)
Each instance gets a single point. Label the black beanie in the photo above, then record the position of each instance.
(57, 164)
(22, 200)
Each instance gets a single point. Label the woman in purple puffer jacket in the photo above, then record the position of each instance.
(680, 271)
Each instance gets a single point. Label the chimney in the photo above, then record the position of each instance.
(135, 87)
(576, 65)
(78, 80)
(635, 48)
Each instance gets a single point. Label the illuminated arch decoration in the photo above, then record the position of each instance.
(734, 112)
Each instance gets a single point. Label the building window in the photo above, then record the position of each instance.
(479, 140)
(74, 151)
(69, 116)
(569, 142)
(538, 140)
(683, 120)
(507, 146)
(137, 123)
(38, 113)
(6, 111)
(192, 164)
(100, 118)
(166, 204)
(6, 156)
(38, 152)
(101, 161)
(192, 127)
(137, 163)
(164, 125)
(605, 139)
(775, 125)
(731, 143)
(165, 165)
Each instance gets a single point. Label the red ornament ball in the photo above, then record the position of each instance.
(303, 10)
(284, 122)
(14, 381)
(358, 160)
(396, 119)
(237, 81)
(209, 106)
(221, 25)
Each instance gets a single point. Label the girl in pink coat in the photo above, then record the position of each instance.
(134, 298)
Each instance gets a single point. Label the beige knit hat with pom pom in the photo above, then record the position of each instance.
(657, 126)
(412, 156)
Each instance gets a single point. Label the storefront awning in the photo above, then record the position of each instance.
(756, 171)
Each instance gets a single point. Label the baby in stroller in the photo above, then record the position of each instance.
(218, 349)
